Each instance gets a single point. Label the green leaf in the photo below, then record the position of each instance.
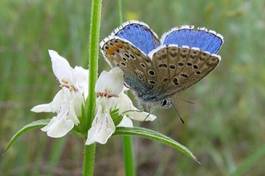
(250, 161)
(156, 136)
(32, 125)
(116, 117)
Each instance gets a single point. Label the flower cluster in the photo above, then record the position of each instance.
(68, 102)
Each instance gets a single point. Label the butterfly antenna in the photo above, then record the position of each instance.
(186, 100)
(179, 116)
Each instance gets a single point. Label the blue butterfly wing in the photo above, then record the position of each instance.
(200, 38)
(139, 34)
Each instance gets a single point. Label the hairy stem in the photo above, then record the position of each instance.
(95, 17)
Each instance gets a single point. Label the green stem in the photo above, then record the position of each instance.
(95, 17)
(120, 11)
(89, 160)
(128, 154)
(93, 59)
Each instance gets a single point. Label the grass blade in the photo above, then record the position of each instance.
(24, 129)
(156, 136)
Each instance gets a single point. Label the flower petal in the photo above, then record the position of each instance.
(111, 82)
(78, 102)
(46, 128)
(42, 108)
(80, 76)
(58, 126)
(60, 66)
(75, 108)
(125, 122)
(59, 100)
(53, 106)
(70, 104)
(124, 103)
(102, 128)
(141, 116)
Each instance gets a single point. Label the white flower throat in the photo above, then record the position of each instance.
(68, 85)
(106, 94)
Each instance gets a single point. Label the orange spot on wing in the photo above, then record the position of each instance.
(111, 50)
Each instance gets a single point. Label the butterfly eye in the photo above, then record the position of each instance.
(165, 103)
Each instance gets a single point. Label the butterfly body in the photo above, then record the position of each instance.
(157, 69)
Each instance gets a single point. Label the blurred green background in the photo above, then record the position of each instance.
(224, 127)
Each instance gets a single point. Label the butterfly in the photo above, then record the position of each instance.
(157, 69)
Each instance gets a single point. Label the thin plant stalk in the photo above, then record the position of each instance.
(128, 156)
(120, 11)
(127, 142)
(93, 59)
(89, 160)
(95, 17)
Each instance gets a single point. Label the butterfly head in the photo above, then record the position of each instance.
(166, 103)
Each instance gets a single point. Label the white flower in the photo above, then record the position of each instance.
(68, 102)
(110, 93)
